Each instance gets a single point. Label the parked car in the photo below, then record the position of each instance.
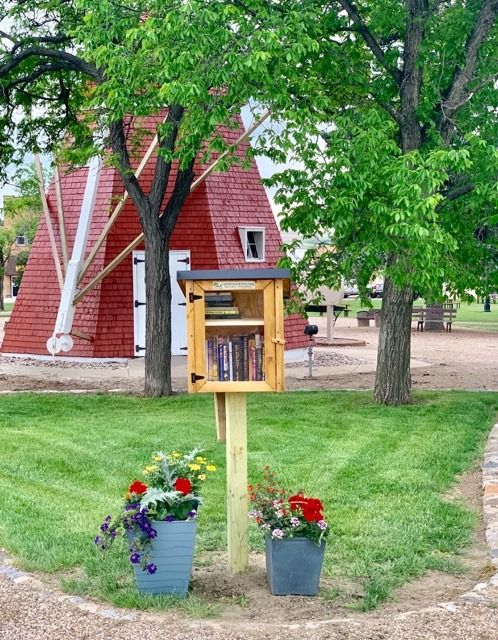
(350, 289)
(377, 290)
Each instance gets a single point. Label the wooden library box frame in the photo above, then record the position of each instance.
(235, 329)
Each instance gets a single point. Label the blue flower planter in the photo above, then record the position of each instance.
(293, 566)
(172, 551)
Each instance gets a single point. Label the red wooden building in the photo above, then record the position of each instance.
(227, 223)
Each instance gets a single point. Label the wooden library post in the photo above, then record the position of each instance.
(235, 327)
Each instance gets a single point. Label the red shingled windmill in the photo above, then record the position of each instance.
(227, 222)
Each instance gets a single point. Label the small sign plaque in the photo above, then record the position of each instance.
(233, 284)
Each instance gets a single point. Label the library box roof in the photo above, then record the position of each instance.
(238, 274)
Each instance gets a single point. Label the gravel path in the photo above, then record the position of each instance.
(30, 612)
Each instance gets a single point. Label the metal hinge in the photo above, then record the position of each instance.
(194, 377)
(192, 297)
(138, 348)
(183, 348)
(185, 260)
(137, 260)
(139, 304)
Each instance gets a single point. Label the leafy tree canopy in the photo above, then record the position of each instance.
(23, 210)
(399, 166)
(67, 66)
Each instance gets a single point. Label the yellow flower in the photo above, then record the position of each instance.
(211, 467)
(157, 458)
(175, 454)
(127, 496)
(202, 476)
(200, 460)
(194, 467)
(150, 469)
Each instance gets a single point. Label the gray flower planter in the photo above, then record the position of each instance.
(172, 553)
(293, 566)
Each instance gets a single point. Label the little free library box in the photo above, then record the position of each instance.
(235, 328)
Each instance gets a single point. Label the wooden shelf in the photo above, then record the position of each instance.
(236, 322)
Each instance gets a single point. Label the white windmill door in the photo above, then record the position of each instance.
(178, 261)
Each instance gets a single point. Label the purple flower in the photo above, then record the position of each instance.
(135, 558)
(192, 514)
(170, 518)
(97, 540)
(108, 518)
(104, 526)
(151, 568)
(277, 534)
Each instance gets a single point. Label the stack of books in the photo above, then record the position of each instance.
(220, 306)
(236, 358)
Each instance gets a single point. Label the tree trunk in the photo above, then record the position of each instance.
(2, 276)
(393, 380)
(158, 316)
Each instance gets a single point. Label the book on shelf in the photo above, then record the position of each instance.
(220, 306)
(235, 358)
(225, 310)
(222, 313)
(218, 300)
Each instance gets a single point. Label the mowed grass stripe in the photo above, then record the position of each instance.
(382, 473)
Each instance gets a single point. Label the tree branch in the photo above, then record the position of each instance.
(458, 92)
(73, 62)
(118, 144)
(181, 190)
(395, 115)
(454, 193)
(39, 71)
(458, 192)
(371, 42)
(33, 41)
(163, 168)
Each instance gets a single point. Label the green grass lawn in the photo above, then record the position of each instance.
(7, 310)
(382, 473)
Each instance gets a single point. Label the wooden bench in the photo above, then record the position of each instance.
(364, 316)
(446, 316)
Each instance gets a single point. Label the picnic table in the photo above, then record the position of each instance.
(322, 308)
(332, 311)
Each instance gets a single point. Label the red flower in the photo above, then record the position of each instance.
(296, 501)
(183, 485)
(137, 487)
(311, 507)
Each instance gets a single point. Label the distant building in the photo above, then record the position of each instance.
(21, 245)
